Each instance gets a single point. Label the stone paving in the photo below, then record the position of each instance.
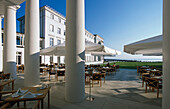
(122, 90)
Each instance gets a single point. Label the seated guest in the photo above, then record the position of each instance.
(114, 65)
(108, 65)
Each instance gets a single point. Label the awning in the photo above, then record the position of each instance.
(90, 48)
(148, 47)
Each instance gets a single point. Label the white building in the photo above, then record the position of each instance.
(53, 31)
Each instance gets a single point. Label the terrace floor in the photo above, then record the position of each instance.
(122, 90)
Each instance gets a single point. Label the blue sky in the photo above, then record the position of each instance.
(119, 22)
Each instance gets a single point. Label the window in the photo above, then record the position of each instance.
(58, 42)
(59, 30)
(52, 28)
(52, 16)
(51, 59)
(40, 59)
(64, 23)
(2, 37)
(59, 20)
(41, 44)
(51, 41)
(18, 58)
(64, 32)
(18, 40)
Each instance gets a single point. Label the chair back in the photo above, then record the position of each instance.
(52, 72)
(61, 73)
(41, 70)
(153, 82)
(96, 76)
(5, 76)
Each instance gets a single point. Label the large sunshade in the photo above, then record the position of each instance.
(149, 47)
(90, 48)
(106, 51)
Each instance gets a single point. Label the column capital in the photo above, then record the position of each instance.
(15, 7)
(1, 16)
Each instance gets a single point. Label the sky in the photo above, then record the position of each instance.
(119, 22)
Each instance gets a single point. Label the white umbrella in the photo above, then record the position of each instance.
(90, 48)
(107, 52)
(149, 47)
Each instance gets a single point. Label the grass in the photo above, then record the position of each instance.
(133, 65)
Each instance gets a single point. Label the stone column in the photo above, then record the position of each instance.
(1, 61)
(32, 34)
(166, 55)
(9, 50)
(75, 51)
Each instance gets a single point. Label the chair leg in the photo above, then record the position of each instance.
(142, 83)
(92, 83)
(104, 79)
(146, 88)
(157, 93)
(100, 83)
(49, 77)
(17, 104)
(153, 90)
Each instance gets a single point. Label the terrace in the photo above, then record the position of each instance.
(123, 90)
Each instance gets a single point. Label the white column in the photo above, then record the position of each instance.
(166, 55)
(9, 50)
(1, 61)
(75, 51)
(32, 31)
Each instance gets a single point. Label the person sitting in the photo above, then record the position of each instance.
(114, 65)
(108, 65)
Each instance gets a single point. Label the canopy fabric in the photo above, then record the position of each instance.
(90, 48)
(106, 52)
(148, 47)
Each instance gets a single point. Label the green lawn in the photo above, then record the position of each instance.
(133, 65)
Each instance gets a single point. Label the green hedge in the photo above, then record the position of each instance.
(133, 65)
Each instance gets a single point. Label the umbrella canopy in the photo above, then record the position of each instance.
(90, 48)
(106, 52)
(148, 47)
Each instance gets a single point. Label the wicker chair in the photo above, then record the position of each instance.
(60, 73)
(154, 84)
(143, 78)
(96, 77)
(51, 72)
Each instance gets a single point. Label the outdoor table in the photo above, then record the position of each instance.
(145, 67)
(43, 67)
(155, 71)
(158, 77)
(60, 69)
(32, 90)
(146, 70)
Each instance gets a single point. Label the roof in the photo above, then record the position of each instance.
(98, 36)
(53, 11)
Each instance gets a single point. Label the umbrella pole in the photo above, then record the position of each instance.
(44, 59)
